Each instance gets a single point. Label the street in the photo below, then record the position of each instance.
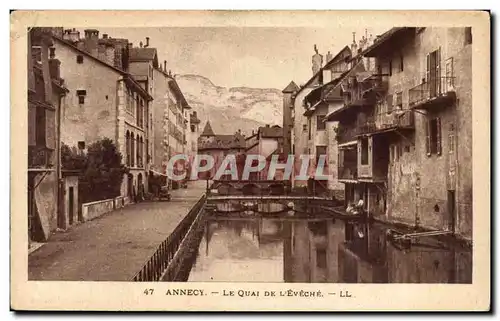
(114, 246)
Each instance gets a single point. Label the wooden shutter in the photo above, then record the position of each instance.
(438, 70)
(389, 104)
(428, 137)
(31, 125)
(428, 68)
(438, 135)
(50, 128)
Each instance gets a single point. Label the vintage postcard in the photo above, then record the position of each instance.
(250, 160)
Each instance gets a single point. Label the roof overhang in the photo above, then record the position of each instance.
(387, 40)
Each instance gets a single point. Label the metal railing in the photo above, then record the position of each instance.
(39, 157)
(165, 253)
(395, 119)
(431, 88)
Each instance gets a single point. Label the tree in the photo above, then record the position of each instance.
(101, 169)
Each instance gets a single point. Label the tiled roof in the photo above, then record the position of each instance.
(207, 131)
(271, 132)
(236, 141)
(292, 87)
(142, 54)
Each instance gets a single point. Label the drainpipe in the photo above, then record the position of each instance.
(60, 209)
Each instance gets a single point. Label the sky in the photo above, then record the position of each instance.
(259, 57)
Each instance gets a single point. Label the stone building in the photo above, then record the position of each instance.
(105, 101)
(311, 135)
(219, 146)
(46, 95)
(288, 93)
(171, 118)
(408, 116)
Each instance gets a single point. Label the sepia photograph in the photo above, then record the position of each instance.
(209, 155)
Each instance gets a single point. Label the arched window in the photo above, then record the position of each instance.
(132, 150)
(138, 150)
(141, 152)
(127, 147)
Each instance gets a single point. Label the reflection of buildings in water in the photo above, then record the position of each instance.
(233, 252)
(425, 264)
(362, 258)
(372, 259)
(310, 250)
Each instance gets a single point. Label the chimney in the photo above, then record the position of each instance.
(140, 44)
(147, 42)
(110, 54)
(354, 46)
(317, 61)
(71, 35)
(164, 65)
(55, 69)
(329, 56)
(91, 40)
(104, 36)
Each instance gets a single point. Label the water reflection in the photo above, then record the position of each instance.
(291, 249)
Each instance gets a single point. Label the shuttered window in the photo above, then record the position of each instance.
(32, 125)
(433, 136)
(389, 104)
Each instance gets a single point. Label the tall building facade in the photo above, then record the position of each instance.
(405, 131)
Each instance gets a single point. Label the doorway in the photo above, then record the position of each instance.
(451, 210)
(71, 200)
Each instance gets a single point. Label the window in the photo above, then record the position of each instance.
(401, 62)
(40, 126)
(192, 128)
(451, 139)
(304, 127)
(79, 59)
(321, 258)
(390, 68)
(309, 127)
(81, 96)
(364, 151)
(468, 35)
(81, 145)
(399, 101)
(320, 124)
(389, 103)
(433, 141)
(320, 150)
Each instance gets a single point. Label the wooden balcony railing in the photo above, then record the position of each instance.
(432, 91)
(39, 157)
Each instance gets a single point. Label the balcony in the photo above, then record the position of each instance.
(40, 157)
(437, 91)
(346, 134)
(364, 89)
(387, 123)
(348, 171)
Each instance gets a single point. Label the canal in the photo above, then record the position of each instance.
(295, 246)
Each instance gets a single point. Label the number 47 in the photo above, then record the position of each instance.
(149, 291)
